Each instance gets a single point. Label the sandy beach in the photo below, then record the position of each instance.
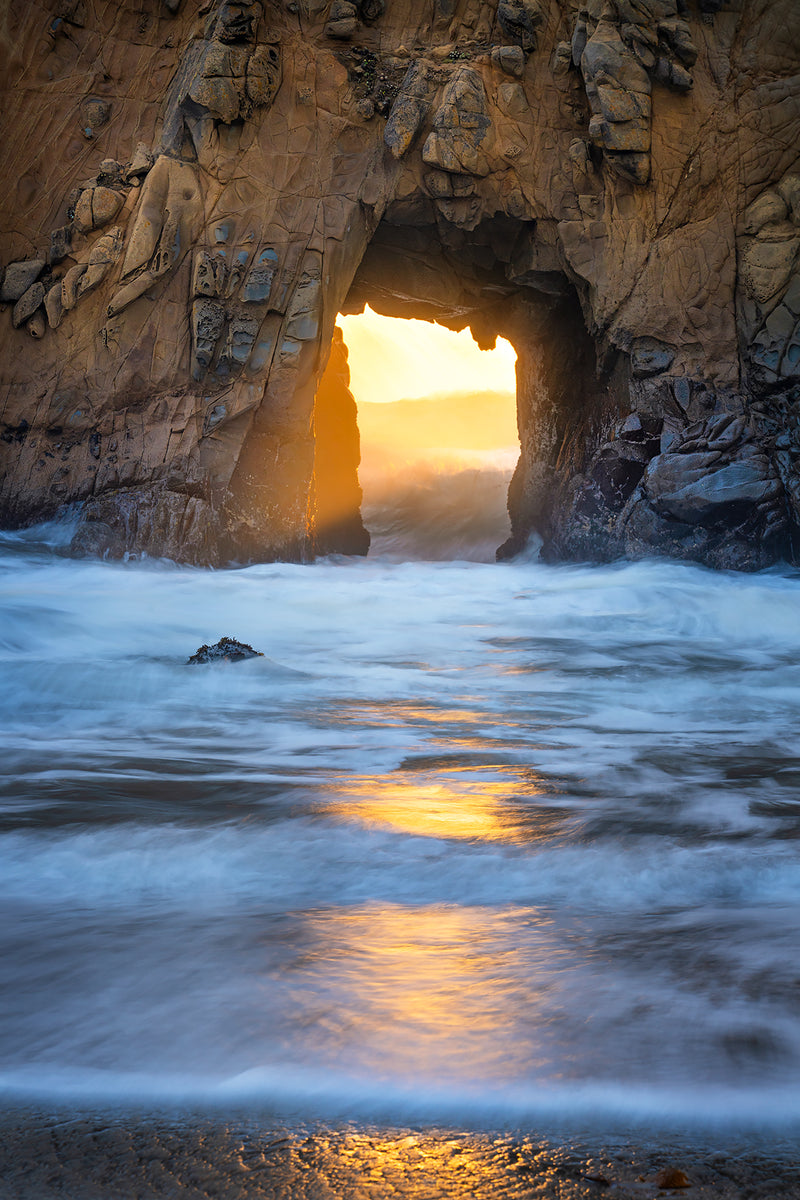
(134, 1156)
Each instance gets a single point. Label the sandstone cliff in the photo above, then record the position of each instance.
(194, 191)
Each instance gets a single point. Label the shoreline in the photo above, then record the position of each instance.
(96, 1154)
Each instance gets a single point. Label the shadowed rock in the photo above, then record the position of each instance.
(225, 650)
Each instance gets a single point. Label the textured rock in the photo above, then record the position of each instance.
(27, 304)
(649, 356)
(510, 59)
(520, 20)
(36, 324)
(105, 206)
(694, 488)
(613, 187)
(140, 163)
(460, 127)
(19, 277)
(60, 244)
(409, 109)
(83, 212)
(227, 649)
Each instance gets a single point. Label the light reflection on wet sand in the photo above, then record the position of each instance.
(95, 1155)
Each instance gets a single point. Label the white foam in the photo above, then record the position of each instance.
(306, 861)
(604, 1106)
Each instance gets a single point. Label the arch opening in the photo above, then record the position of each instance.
(436, 436)
(485, 292)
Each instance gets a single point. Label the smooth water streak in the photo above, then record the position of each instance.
(504, 841)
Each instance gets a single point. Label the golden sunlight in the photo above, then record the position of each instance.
(455, 1163)
(437, 440)
(427, 394)
(393, 359)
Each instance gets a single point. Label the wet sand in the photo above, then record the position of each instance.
(115, 1156)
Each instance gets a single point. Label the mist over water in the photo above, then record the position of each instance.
(435, 475)
(471, 842)
(440, 509)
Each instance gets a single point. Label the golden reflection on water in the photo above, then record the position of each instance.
(442, 996)
(432, 995)
(457, 729)
(401, 712)
(495, 804)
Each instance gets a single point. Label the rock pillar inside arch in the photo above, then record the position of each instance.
(337, 527)
(564, 401)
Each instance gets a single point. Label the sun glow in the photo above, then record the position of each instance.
(393, 359)
(435, 447)
(428, 395)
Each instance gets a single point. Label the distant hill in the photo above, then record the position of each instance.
(410, 429)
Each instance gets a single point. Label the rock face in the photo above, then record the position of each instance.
(190, 200)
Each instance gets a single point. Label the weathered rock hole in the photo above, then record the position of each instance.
(490, 286)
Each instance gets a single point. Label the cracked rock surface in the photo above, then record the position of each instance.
(193, 195)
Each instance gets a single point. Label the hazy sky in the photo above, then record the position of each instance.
(401, 360)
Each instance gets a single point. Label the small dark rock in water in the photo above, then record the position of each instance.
(226, 650)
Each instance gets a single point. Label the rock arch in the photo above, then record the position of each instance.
(614, 186)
